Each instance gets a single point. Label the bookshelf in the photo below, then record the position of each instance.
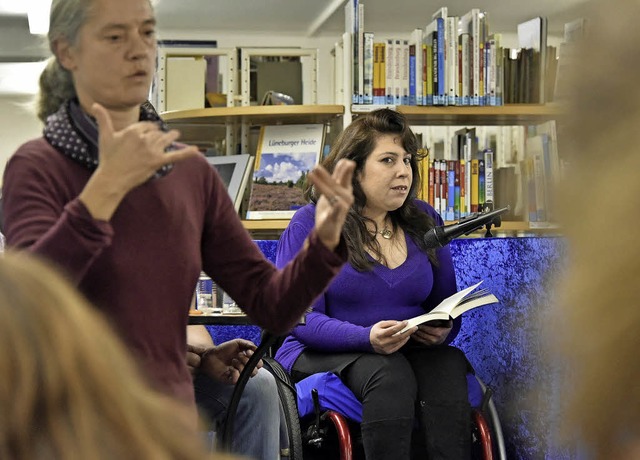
(202, 123)
(204, 126)
(516, 114)
(256, 115)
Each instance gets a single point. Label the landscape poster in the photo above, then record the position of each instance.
(285, 155)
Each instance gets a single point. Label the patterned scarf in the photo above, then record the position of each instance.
(74, 133)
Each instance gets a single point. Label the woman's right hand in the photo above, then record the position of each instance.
(128, 158)
(383, 338)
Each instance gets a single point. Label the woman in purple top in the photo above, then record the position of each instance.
(391, 277)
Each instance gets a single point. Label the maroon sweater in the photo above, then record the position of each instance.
(141, 267)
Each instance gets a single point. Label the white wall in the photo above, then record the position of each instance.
(18, 123)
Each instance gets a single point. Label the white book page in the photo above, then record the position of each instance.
(484, 300)
(442, 311)
(448, 304)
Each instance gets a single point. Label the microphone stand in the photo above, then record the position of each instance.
(496, 221)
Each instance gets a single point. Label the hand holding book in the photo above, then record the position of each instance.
(454, 306)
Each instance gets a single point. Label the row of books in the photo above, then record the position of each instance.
(457, 188)
(453, 60)
(456, 182)
(541, 170)
(459, 178)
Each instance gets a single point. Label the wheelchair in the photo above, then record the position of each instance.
(328, 434)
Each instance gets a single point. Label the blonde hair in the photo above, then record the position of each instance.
(68, 389)
(600, 294)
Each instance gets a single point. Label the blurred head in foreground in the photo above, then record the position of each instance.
(68, 389)
(600, 293)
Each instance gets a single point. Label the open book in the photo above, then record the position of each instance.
(455, 305)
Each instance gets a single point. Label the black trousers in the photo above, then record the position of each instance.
(426, 385)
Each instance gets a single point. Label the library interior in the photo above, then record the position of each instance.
(267, 92)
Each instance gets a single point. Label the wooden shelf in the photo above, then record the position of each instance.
(276, 226)
(256, 115)
(512, 114)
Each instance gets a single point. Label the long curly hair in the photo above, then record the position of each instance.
(356, 143)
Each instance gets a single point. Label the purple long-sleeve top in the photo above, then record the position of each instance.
(141, 267)
(341, 319)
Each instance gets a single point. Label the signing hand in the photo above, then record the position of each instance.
(135, 153)
(128, 158)
(224, 362)
(433, 334)
(382, 336)
(336, 197)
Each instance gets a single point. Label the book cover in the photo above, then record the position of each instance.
(285, 155)
(455, 305)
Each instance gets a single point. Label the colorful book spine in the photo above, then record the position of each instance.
(474, 185)
(389, 70)
(444, 189)
(481, 184)
(412, 74)
(439, 97)
(404, 72)
(488, 175)
(368, 68)
(451, 189)
(397, 72)
(431, 194)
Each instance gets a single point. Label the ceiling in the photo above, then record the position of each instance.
(321, 17)
(326, 17)
(309, 18)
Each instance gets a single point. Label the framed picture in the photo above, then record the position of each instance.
(284, 157)
(234, 171)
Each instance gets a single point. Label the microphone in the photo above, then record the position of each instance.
(440, 236)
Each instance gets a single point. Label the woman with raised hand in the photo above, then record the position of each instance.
(132, 216)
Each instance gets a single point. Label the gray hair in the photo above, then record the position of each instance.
(56, 83)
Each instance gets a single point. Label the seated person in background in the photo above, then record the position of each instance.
(390, 277)
(68, 387)
(131, 216)
(257, 423)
